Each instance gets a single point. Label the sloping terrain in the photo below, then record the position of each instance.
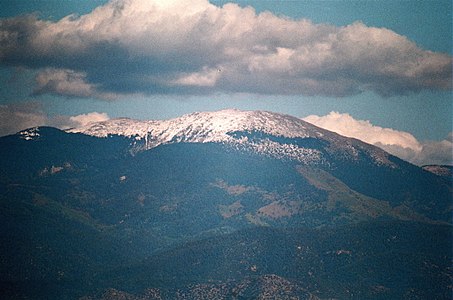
(239, 207)
(377, 260)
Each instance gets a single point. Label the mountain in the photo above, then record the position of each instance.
(235, 204)
(270, 134)
(285, 138)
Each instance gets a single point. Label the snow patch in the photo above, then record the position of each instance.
(30, 134)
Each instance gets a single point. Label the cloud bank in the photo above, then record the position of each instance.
(158, 47)
(16, 117)
(399, 143)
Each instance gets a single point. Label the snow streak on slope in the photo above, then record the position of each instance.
(205, 127)
(29, 134)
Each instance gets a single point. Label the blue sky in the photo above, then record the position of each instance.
(398, 76)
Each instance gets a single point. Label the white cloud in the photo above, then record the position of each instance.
(67, 83)
(84, 119)
(17, 117)
(208, 77)
(151, 46)
(436, 152)
(346, 125)
(398, 143)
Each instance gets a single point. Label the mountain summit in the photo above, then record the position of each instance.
(205, 126)
(273, 134)
(229, 205)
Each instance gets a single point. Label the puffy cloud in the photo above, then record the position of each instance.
(398, 143)
(16, 117)
(151, 46)
(84, 119)
(67, 83)
(204, 78)
(436, 152)
(346, 125)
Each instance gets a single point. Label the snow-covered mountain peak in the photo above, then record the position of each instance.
(120, 126)
(221, 126)
(215, 126)
(203, 126)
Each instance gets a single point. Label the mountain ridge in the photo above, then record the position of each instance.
(223, 127)
(276, 136)
(117, 209)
